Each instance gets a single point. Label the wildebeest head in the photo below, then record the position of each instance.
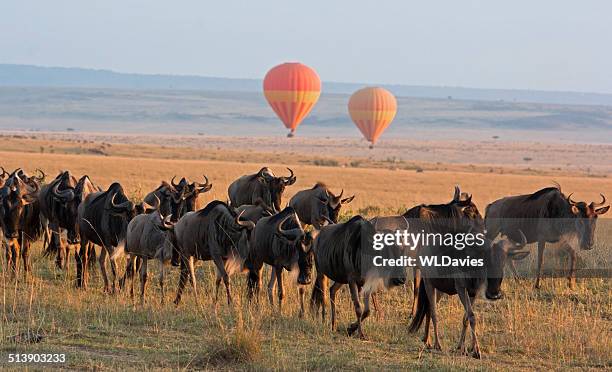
(186, 195)
(499, 253)
(586, 220)
(3, 176)
(469, 214)
(15, 195)
(335, 204)
(64, 193)
(118, 203)
(289, 230)
(276, 185)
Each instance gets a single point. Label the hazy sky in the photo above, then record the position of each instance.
(533, 44)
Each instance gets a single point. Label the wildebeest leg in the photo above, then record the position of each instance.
(541, 246)
(512, 267)
(332, 300)
(162, 269)
(416, 276)
(217, 284)
(113, 265)
(469, 313)
(431, 297)
(280, 289)
(82, 264)
(271, 284)
(143, 280)
(191, 265)
(357, 305)
(464, 325)
(366, 311)
(131, 263)
(375, 304)
(182, 281)
(571, 277)
(301, 291)
(25, 256)
(102, 262)
(220, 267)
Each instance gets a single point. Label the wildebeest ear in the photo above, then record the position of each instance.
(602, 210)
(518, 255)
(347, 200)
(575, 210)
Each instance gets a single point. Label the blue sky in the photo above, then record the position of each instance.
(536, 44)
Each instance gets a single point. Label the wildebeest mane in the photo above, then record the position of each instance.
(204, 212)
(545, 191)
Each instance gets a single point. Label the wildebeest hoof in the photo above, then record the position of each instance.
(351, 329)
(476, 354)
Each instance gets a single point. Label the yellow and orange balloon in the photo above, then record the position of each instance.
(372, 109)
(292, 90)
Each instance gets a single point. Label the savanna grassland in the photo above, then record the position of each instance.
(553, 328)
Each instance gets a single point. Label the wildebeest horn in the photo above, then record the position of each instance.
(248, 224)
(125, 206)
(155, 206)
(569, 199)
(172, 182)
(457, 194)
(293, 233)
(65, 196)
(204, 186)
(42, 176)
(289, 180)
(603, 201)
(166, 224)
(4, 172)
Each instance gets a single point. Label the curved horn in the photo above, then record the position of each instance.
(569, 199)
(290, 180)
(65, 196)
(178, 196)
(42, 176)
(457, 194)
(172, 182)
(203, 185)
(165, 222)
(154, 206)
(126, 205)
(248, 224)
(4, 172)
(293, 233)
(329, 221)
(603, 201)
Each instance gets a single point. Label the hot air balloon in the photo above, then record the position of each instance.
(292, 89)
(372, 109)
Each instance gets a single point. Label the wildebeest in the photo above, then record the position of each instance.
(478, 264)
(20, 218)
(190, 191)
(149, 236)
(459, 213)
(59, 202)
(262, 185)
(344, 253)
(547, 216)
(103, 218)
(318, 205)
(280, 241)
(215, 233)
(170, 200)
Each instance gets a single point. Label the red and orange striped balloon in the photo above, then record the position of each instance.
(372, 110)
(292, 90)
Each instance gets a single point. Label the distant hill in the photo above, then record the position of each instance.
(35, 76)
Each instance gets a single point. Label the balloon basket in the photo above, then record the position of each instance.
(290, 135)
(371, 147)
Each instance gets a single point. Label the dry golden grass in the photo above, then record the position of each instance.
(554, 328)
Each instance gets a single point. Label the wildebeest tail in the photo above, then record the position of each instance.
(422, 310)
(317, 298)
(92, 258)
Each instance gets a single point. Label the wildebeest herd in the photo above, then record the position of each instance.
(252, 229)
